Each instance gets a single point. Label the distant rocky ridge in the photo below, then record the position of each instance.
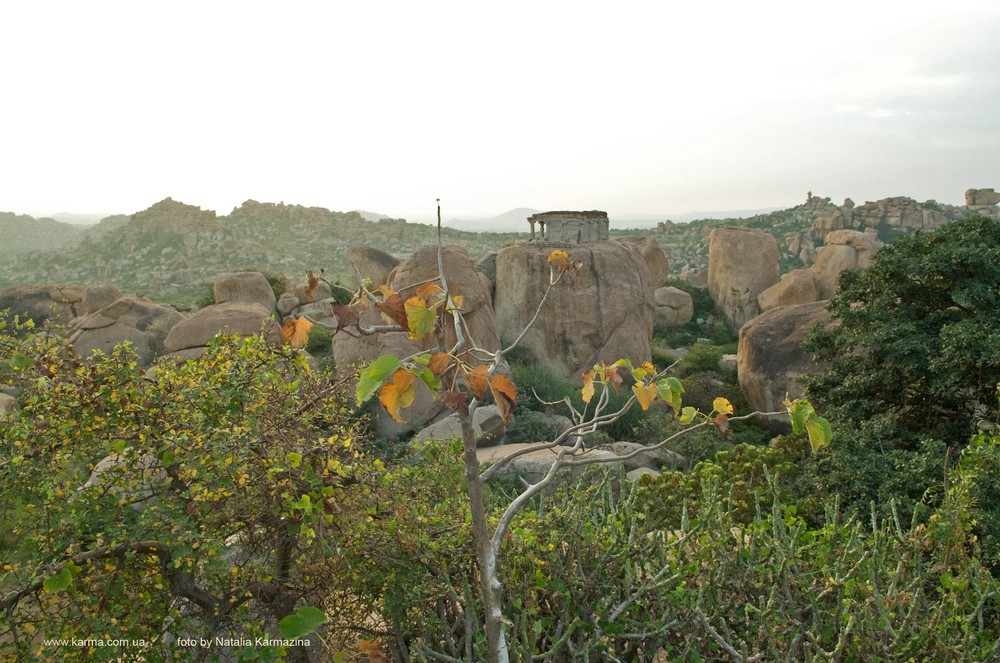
(174, 251)
(800, 230)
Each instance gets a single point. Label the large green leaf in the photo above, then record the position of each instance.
(820, 432)
(302, 622)
(374, 375)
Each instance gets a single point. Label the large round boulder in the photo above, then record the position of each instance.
(463, 279)
(244, 287)
(742, 263)
(138, 321)
(796, 287)
(194, 333)
(602, 313)
(674, 307)
(771, 362)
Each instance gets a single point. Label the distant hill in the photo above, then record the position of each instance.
(22, 233)
(172, 251)
(514, 220)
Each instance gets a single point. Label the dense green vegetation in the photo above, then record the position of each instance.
(914, 366)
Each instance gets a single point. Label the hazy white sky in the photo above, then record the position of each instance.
(631, 107)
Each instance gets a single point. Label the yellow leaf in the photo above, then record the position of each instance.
(397, 394)
(558, 255)
(644, 393)
(722, 406)
(456, 302)
(588, 385)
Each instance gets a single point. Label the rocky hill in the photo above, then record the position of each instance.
(800, 230)
(172, 250)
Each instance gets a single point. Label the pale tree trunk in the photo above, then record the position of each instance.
(486, 553)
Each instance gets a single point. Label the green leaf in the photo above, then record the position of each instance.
(294, 458)
(374, 374)
(799, 412)
(820, 432)
(420, 317)
(59, 581)
(687, 415)
(670, 390)
(302, 622)
(304, 503)
(432, 381)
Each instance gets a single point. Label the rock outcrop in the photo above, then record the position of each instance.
(57, 304)
(742, 263)
(487, 423)
(534, 465)
(770, 361)
(138, 321)
(981, 200)
(604, 312)
(370, 263)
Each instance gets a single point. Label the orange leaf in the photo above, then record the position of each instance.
(313, 284)
(373, 650)
(394, 309)
(439, 363)
(644, 394)
(721, 424)
(504, 393)
(385, 290)
(296, 331)
(397, 394)
(477, 380)
(611, 376)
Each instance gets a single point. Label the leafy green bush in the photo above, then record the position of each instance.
(211, 514)
(914, 361)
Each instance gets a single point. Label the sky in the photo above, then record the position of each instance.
(636, 108)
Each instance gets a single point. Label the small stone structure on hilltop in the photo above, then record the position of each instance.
(570, 227)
